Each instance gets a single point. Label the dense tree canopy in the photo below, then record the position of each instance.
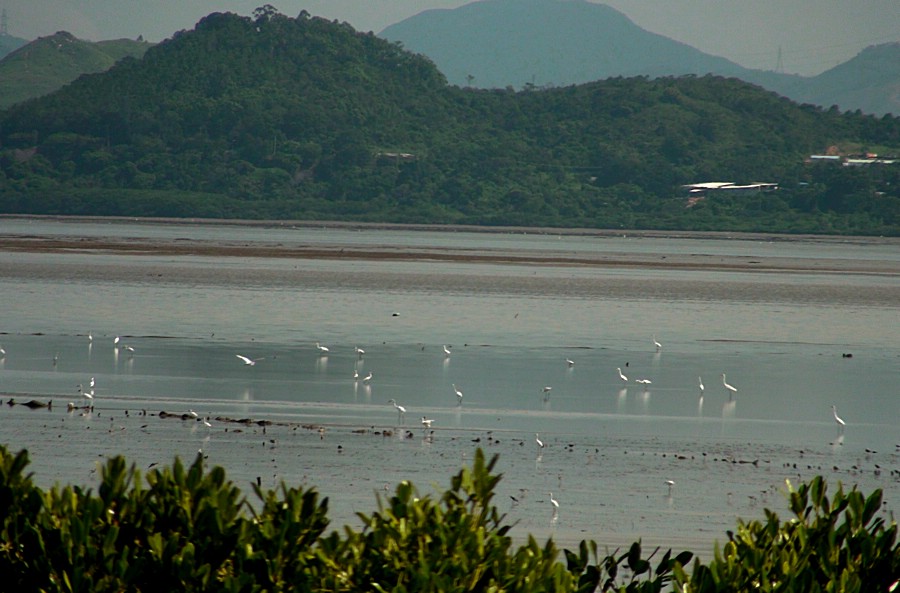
(277, 117)
(191, 529)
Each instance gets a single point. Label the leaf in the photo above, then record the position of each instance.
(634, 556)
(873, 505)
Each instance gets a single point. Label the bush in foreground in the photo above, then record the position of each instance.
(190, 529)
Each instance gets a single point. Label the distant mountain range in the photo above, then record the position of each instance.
(48, 63)
(521, 43)
(8, 43)
(510, 43)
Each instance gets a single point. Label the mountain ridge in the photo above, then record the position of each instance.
(499, 43)
(9, 43)
(50, 62)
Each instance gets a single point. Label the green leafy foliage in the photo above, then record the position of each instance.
(457, 543)
(842, 544)
(190, 529)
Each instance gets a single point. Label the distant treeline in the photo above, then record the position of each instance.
(303, 118)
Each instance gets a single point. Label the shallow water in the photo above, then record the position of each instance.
(779, 336)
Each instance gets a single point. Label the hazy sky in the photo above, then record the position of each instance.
(812, 35)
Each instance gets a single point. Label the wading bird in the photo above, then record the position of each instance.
(248, 361)
(730, 388)
(838, 419)
(401, 411)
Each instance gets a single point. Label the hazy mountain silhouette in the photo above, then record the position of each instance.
(517, 43)
(8, 43)
(869, 82)
(47, 63)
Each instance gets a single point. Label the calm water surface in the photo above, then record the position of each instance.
(780, 337)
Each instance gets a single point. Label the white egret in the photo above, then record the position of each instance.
(570, 362)
(92, 383)
(426, 422)
(90, 337)
(730, 388)
(670, 484)
(116, 341)
(537, 439)
(546, 391)
(446, 350)
(193, 414)
(355, 375)
(206, 423)
(322, 349)
(643, 381)
(359, 351)
(657, 344)
(554, 502)
(458, 392)
(367, 378)
(622, 376)
(838, 419)
(700, 381)
(248, 361)
(2, 352)
(401, 411)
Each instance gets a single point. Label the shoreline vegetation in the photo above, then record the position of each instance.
(191, 528)
(186, 246)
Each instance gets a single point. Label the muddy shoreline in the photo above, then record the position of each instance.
(264, 249)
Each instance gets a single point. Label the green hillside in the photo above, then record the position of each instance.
(304, 118)
(49, 63)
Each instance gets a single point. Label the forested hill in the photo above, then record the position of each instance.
(304, 118)
(48, 63)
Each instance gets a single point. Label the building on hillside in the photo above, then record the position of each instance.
(852, 161)
(864, 162)
(709, 188)
(824, 158)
